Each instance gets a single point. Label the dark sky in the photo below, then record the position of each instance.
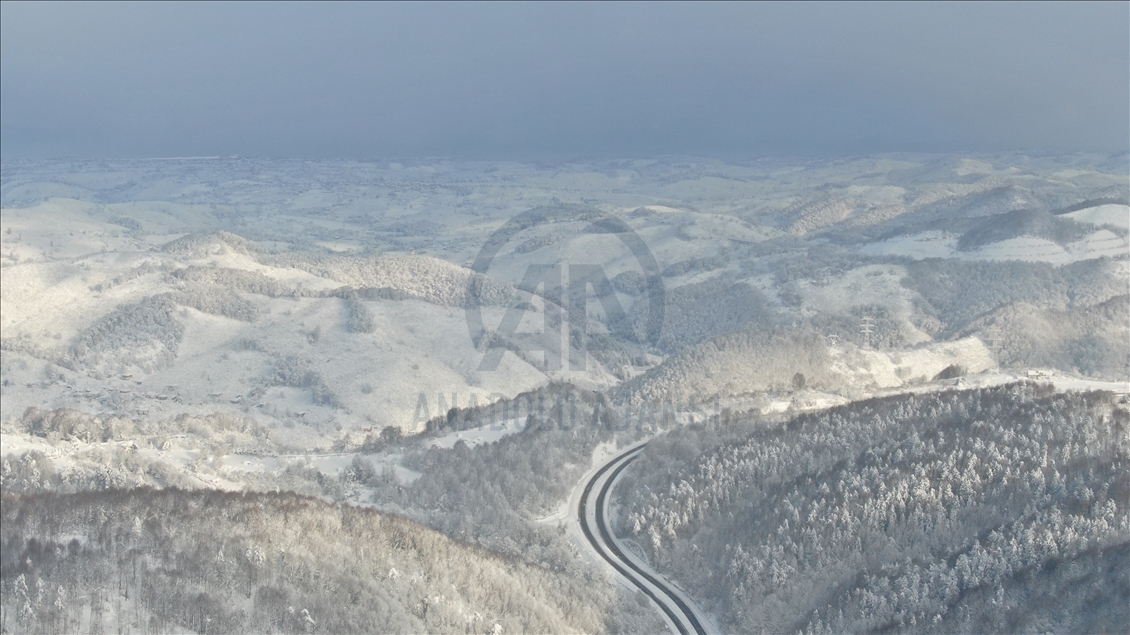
(556, 81)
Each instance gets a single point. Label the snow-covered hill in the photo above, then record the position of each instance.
(206, 274)
(310, 328)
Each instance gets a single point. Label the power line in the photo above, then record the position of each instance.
(867, 328)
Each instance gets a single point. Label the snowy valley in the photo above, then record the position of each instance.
(883, 393)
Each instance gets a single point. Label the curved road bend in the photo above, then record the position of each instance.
(591, 513)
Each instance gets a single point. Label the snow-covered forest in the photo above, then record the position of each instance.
(992, 510)
(155, 561)
(205, 358)
(487, 499)
(618, 318)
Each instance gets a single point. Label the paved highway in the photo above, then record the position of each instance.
(678, 610)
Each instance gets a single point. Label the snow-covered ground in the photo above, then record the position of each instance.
(1117, 215)
(938, 244)
(478, 436)
(79, 240)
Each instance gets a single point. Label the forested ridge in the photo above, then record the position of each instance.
(493, 493)
(487, 499)
(997, 509)
(957, 292)
(735, 363)
(166, 560)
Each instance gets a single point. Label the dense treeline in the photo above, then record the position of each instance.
(204, 244)
(696, 265)
(1087, 340)
(240, 279)
(417, 277)
(399, 276)
(211, 562)
(144, 335)
(909, 513)
(115, 452)
(736, 363)
(788, 260)
(493, 492)
(957, 292)
(217, 300)
(361, 319)
(887, 332)
(698, 311)
(972, 200)
(1023, 222)
(295, 372)
(557, 405)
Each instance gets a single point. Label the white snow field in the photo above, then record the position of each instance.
(1117, 215)
(272, 249)
(936, 244)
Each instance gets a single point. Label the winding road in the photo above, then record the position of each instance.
(678, 610)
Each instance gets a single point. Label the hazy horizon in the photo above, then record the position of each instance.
(559, 81)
